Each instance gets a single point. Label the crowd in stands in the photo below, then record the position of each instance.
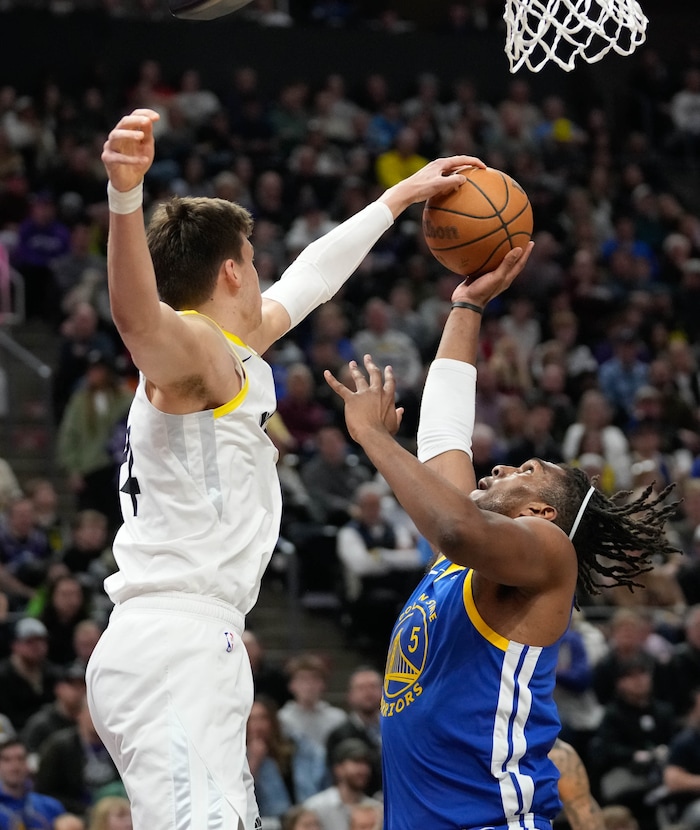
(593, 358)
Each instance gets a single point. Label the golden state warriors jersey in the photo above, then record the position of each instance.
(200, 495)
(467, 717)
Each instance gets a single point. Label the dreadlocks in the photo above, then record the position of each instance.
(616, 538)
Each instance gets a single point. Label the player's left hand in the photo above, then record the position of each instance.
(372, 406)
(479, 290)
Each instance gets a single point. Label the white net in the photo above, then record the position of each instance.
(539, 31)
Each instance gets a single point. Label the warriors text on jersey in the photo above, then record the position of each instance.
(467, 717)
(200, 495)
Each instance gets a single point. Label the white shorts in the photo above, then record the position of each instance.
(170, 690)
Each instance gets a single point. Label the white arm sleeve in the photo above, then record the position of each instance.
(323, 267)
(447, 409)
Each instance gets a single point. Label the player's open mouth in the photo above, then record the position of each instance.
(484, 484)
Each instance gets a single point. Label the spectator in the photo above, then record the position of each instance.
(333, 474)
(628, 638)
(594, 415)
(388, 346)
(88, 541)
(86, 427)
(365, 816)
(403, 159)
(66, 606)
(380, 566)
(364, 695)
(308, 713)
(578, 708)
(576, 356)
(300, 409)
(24, 550)
(74, 765)
(684, 667)
(79, 337)
(26, 678)
(111, 813)
(268, 679)
(622, 375)
(631, 744)
(47, 517)
(351, 763)
(300, 818)
(70, 270)
(69, 821)
(21, 806)
(537, 440)
(69, 693)
(41, 240)
(685, 116)
(286, 769)
(681, 774)
(85, 637)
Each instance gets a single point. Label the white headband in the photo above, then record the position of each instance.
(581, 511)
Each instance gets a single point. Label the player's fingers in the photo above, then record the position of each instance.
(336, 385)
(357, 376)
(389, 381)
(399, 416)
(457, 163)
(152, 115)
(374, 372)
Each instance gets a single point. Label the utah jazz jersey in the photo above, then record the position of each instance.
(467, 717)
(200, 494)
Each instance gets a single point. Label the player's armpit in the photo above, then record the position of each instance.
(187, 359)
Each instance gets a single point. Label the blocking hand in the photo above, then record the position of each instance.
(373, 404)
(129, 150)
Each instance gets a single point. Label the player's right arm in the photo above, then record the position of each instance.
(169, 349)
(448, 404)
(580, 808)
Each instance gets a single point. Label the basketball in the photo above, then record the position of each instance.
(471, 229)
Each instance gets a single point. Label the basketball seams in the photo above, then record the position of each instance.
(449, 229)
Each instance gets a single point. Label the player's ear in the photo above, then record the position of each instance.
(540, 509)
(229, 271)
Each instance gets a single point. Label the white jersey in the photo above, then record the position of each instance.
(200, 495)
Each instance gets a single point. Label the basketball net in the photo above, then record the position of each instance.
(538, 31)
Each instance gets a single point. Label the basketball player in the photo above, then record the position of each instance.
(169, 683)
(467, 712)
(581, 810)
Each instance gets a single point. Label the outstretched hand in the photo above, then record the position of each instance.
(372, 406)
(438, 176)
(129, 150)
(479, 290)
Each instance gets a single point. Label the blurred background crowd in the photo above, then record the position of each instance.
(591, 358)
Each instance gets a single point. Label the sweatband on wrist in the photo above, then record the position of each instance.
(323, 267)
(127, 201)
(447, 409)
(471, 306)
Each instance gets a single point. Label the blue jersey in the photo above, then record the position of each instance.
(467, 717)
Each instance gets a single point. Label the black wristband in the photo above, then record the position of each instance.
(470, 306)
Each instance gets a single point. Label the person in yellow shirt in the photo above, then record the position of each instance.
(392, 166)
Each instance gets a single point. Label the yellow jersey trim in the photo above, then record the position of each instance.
(235, 402)
(476, 619)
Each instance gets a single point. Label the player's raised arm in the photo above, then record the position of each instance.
(164, 346)
(323, 267)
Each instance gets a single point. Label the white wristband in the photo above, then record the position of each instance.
(447, 409)
(124, 201)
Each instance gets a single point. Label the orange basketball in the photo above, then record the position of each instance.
(471, 229)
